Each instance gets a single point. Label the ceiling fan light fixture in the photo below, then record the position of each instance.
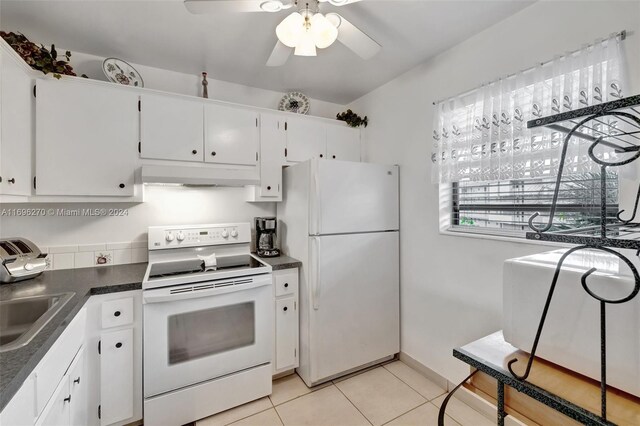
(271, 6)
(306, 45)
(338, 2)
(334, 18)
(324, 33)
(291, 30)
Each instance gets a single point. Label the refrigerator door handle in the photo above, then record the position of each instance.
(315, 290)
(318, 209)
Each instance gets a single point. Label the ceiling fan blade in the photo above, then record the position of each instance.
(279, 55)
(352, 37)
(222, 6)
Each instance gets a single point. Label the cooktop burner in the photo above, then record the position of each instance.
(196, 266)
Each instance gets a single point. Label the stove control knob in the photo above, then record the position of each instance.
(180, 236)
(234, 233)
(225, 234)
(170, 237)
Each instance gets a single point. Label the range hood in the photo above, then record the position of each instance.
(199, 175)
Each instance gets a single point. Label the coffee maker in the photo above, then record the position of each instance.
(266, 237)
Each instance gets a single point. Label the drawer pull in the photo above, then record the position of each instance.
(285, 309)
(77, 381)
(116, 314)
(118, 345)
(286, 285)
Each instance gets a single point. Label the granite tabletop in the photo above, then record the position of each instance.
(281, 262)
(17, 364)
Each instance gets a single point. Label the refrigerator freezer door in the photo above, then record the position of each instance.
(354, 307)
(348, 197)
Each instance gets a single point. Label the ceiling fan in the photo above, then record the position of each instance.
(303, 30)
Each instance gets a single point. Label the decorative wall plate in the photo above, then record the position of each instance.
(118, 71)
(295, 102)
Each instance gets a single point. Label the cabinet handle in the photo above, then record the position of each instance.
(213, 154)
(67, 399)
(77, 380)
(121, 185)
(116, 314)
(118, 345)
(334, 157)
(321, 156)
(194, 152)
(268, 188)
(285, 309)
(286, 285)
(12, 180)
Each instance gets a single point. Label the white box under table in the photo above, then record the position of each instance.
(571, 334)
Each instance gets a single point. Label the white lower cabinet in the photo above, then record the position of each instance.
(286, 320)
(114, 361)
(116, 390)
(78, 387)
(57, 412)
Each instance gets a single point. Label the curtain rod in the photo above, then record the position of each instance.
(622, 34)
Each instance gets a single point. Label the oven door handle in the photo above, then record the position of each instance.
(199, 290)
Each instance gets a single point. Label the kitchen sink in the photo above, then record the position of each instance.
(23, 317)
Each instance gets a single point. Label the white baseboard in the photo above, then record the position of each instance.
(426, 371)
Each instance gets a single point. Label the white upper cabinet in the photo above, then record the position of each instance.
(272, 146)
(232, 135)
(171, 128)
(306, 139)
(86, 138)
(16, 127)
(343, 143)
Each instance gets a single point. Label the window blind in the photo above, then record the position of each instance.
(505, 206)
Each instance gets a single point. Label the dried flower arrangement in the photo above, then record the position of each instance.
(353, 119)
(38, 57)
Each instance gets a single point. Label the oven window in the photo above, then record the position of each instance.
(194, 335)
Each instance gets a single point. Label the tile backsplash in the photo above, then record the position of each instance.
(90, 255)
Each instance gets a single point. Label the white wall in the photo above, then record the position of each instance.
(452, 286)
(164, 205)
(188, 84)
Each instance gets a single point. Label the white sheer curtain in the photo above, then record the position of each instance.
(483, 135)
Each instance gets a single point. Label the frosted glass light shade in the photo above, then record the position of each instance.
(324, 33)
(291, 29)
(306, 46)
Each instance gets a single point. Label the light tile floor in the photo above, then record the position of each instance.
(392, 394)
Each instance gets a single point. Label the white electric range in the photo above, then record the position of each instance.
(208, 322)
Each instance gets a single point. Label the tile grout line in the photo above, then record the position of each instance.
(414, 408)
(354, 405)
(246, 417)
(278, 414)
(416, 390)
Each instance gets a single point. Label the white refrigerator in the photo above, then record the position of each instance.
(341, 219)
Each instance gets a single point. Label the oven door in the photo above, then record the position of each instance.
(197, 332)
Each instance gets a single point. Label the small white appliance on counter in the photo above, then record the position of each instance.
(571, 334)
(341, 219)
(20, 259)
(208, 322)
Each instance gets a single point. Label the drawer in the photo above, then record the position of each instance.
(285, 282)
(116, 313)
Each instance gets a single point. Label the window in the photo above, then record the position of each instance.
(504, 207)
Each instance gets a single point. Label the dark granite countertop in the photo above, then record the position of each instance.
(281, 262)
(17, 364)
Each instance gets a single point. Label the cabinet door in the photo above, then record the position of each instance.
(116, 376)
(286, 333)
(86, 138)
(16, 127)
(272, 145)
(306, 139)
(232, 135)
(79, 390)
(58, 409)
(171, 128)
(343, 143)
